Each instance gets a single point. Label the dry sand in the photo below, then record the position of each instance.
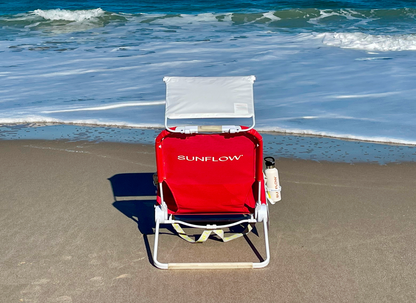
(77, 226)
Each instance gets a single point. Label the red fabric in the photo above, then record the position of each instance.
(208, 173)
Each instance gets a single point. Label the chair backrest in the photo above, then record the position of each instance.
(210, 173)
(190, 98)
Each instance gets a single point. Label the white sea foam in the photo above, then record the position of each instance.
(182, 19)
(377, 95)
(91, 122)
(326, 117)
(346, 13)
(105, 107)
(227, 17)
(271, 16)
(344, 136)
(204, 18)
(302, 87)
(28, 119)
(369, 42)
(290, 131)
(67, 15)
(75, 72)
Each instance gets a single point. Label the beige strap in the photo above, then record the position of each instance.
(205, 235)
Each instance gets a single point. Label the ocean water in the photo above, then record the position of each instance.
(315, 148)
(337, 68)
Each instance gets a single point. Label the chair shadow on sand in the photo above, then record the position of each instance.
(135, 197)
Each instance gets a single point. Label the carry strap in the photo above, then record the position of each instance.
(205, 235)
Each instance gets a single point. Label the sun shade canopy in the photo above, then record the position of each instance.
(209, 97)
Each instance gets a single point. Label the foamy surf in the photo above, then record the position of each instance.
(368, 42)
(44, 121)
(319, 71)
(68, 15)
(105, 107)
(303, 132)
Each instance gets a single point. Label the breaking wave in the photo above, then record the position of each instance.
(367, 42)
(67, 15)
(305, 19)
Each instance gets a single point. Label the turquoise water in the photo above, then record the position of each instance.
(180, 6)
(338, 68)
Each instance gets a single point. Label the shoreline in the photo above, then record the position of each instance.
(278, 145)
(398, 142)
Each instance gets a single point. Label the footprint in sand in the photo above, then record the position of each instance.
(97, 281)
(123, 276)
(64, 299)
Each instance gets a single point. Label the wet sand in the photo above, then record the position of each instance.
(76, 225)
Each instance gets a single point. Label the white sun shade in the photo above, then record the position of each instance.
(209, 97)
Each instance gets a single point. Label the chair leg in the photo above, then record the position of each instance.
(267, 246)
(155, 261)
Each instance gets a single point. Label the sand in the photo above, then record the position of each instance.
(74, 228)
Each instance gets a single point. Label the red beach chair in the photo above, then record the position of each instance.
(210, 173)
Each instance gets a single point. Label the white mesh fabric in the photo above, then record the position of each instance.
(209, 97)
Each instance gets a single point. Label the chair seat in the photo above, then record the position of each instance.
(210, 173)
